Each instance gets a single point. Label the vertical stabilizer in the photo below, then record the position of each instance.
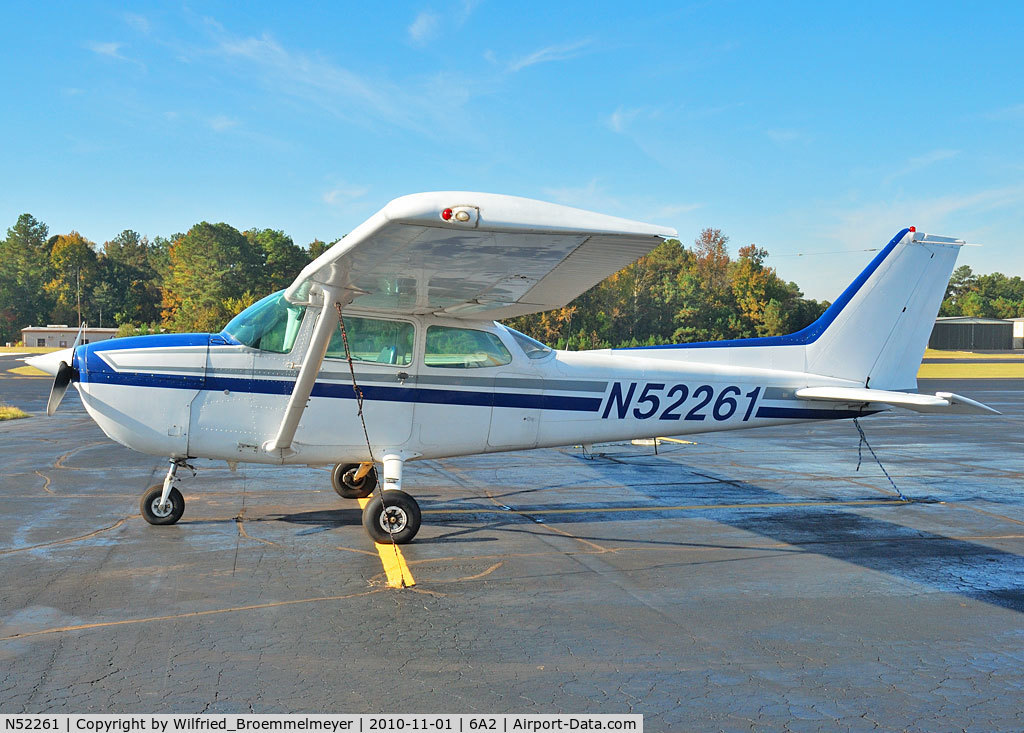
(880, 332)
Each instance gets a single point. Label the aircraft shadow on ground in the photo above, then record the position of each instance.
(936, 561)
(325, 518)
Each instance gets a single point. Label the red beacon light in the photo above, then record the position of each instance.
(446, 214)
(913, 229)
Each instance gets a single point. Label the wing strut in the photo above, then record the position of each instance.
(311, 362)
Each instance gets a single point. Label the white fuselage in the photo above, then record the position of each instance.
(202, 396)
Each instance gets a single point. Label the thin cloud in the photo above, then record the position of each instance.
(620, 119)
(220, 123)
(110, 49)
(344, 194)
(424, 28)
(138, 22)
(468, 6)
(876, 221)
(315, 80)
(595, 197)
(329, 84)
(561, 52)
(781, 137)
(1013, 112)
(591, 196)
(922, 161)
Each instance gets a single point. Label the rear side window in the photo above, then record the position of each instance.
(374, 340)
(533, 348)
(464, 348)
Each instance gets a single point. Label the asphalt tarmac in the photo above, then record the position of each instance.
(749, 580)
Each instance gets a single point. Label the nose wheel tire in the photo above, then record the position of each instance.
(345, 485)
(396, 516)
(153, 513)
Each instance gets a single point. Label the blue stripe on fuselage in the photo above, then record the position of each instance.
(345, 391)
(806, 413)
(417, 394)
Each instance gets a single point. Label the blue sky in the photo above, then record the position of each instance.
(809, 128)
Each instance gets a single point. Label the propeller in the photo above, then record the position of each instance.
(57, 364)
(65, 376)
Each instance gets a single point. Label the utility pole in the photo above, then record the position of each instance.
(78, 293)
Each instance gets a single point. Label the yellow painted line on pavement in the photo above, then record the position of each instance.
(936, 354)
(684, 507)
(1010, 370)
(21, 350)
(28, 371)
(391, 557)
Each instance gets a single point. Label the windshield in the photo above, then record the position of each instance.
(534, 349)
(270, 324)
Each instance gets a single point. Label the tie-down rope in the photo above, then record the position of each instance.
(366, 434)
(860, 445)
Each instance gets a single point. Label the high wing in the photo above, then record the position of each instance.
(476, 256)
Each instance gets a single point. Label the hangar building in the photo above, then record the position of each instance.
(962, 333)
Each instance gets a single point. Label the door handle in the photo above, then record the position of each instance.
(402, 376)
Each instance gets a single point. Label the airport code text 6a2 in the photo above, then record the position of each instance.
(678, 402)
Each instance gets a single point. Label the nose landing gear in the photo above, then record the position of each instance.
(162, 503)
(156, 511)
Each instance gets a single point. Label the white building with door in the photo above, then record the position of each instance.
(61, 336)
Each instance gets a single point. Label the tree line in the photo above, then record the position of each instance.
(199, 280)
(194, 281)
(983, 296)
(679, 294)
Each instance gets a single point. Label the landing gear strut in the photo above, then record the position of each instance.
(391, 515)
(162, 503)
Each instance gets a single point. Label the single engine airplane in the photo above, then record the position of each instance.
(386, 349)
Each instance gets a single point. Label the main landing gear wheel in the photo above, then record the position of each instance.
(345, 485)
(153, 513)
(395, 516)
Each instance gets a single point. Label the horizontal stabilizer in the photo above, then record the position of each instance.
(941, 402)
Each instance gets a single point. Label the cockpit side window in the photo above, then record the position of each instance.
(464, 348)
(374, 340)
(270, 324)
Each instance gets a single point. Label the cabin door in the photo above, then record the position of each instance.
(382, 357)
